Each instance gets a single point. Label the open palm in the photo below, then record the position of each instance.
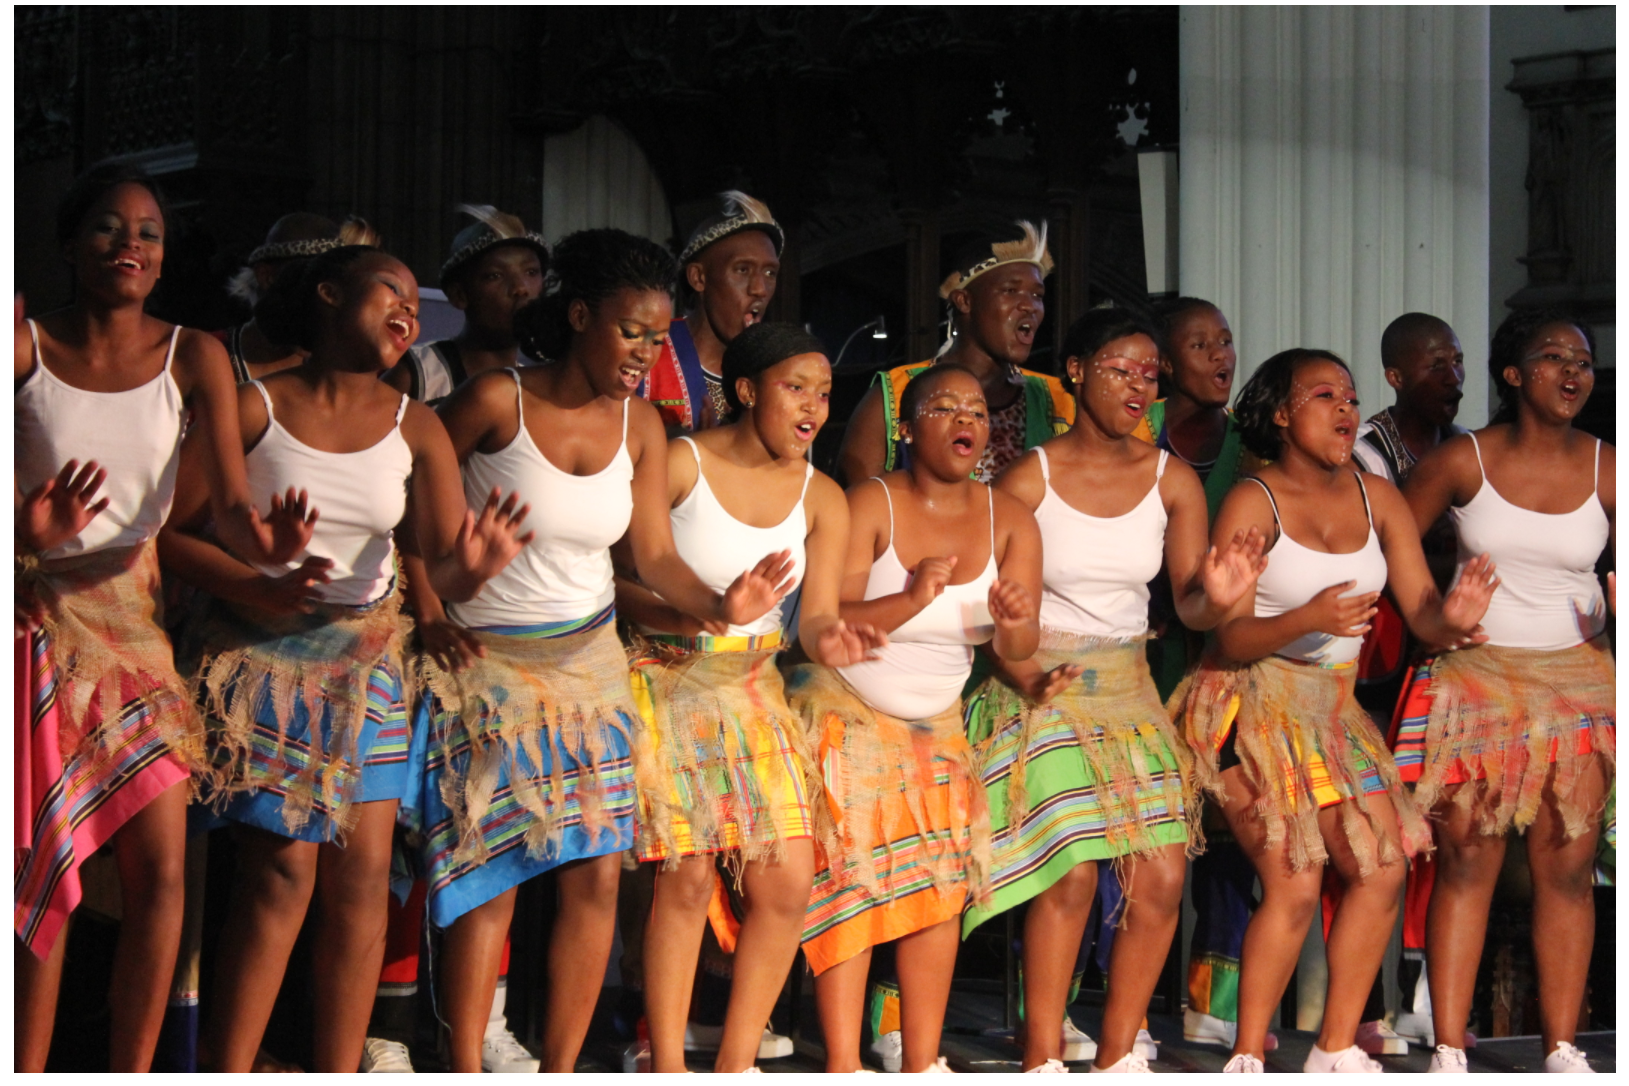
(489, 542)
(1227, 573)
(1465, 605)
(751, 595)
(59, 509)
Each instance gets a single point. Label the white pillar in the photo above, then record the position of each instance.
(1334, 175)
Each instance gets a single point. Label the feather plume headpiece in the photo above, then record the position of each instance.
(741, 212)
(490, 229)
(1029, 249)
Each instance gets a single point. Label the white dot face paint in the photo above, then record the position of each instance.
(1322, 406)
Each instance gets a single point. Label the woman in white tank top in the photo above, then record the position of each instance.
(102, 393)
(1081, 769)
(940, 563)
(725, 773)
(1296, 765)
(1520, 733)
(318, 638)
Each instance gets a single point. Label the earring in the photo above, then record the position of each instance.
(907, 439)
(749, 403)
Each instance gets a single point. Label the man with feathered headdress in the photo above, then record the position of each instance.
(495, 267)
(996, 295)
(728, 272)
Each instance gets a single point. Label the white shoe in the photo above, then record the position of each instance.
(1244, 1064)
(1077, 1045)
(1449, 1061)
(889, 1050)
(501, 1054)
(1378, 1039)
(1129, 1064)
(698, 1038)
(752, 1071)
(1145, 1046)
(1050, 1067)
(941, 1066)
(1567, 1060)
(1206, 1029)
(1415, 1028)
(774, 1046)
(1348, 1061)
(380, 1056)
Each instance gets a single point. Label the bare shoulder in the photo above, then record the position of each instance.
(198, 355)
(25, 351)
(1180, 483)
(419, 422)
(823, 490)
(1246, 504)
(1011, 512)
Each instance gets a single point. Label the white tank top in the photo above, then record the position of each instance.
(361, 497)
(921, 671)
(1548, 597)
(1095, 570)
(135, 435)
(564, 573)
(720, 548)
(1295, 574)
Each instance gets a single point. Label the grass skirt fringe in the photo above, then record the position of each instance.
(1303, 741)
(1501, 717)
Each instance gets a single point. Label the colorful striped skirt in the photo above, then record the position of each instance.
(1502, 718)
(903, 837)
(1097, 774)
(723, 764)
(528, 762)
(1303, 743)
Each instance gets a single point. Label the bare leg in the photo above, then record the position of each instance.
(1564, 909)
(36, 988)
(151, 851)
(840, 996)
(1362, 926)
(579, 950)
(672, 945)
(354, 894)
(927, 962)
(274, 882)
(1153, 911)
(470, 957)
(777, 900)
(1053, 929)
(1272, 942)
(1456, 921)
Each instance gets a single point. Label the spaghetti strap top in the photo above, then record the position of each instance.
(361, 497)
(1095, 570)
(1548, 597)
(920, 672)
(1295, 574)
(564, 573)
(135, 435)
(719, 548)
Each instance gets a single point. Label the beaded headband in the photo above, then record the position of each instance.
(492, 228)
(741, 212)
(1029, 249)
(288, 250)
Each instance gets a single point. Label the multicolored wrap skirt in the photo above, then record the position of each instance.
(264, 679)
(1497, 719)
(1304, 743)
(103, 724)
(1098, 773)
(903, 837)
(529, 760)
(723, 763)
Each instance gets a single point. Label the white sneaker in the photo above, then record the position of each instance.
(1449, 1061)
(380, 1056)
(1416, 1028)
(941, 1066)
(889, 1050)
(1244, 1064)
(1206, 1029)
(1145, 1046)
(1567, 1060)
(501, 1054)
(1050, 1067)
(1348, 1061)
(752, 1071)
(699, 1038)
(1129, 1064)
(774, 1046)
(1077, 1045)
(1378, 1039)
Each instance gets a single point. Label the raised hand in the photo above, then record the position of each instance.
(1226, 574)
(59, 509)
(286, 529)
(487, 543)
(1339, 615)
(295, 592)
(751, 595)
(1011, 605)
(450, 645)
(844, 643)
(929, 579)
(1464, 606)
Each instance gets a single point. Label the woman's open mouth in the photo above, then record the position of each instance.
(401, 329)
(631, 374)
(1135, 408)
(806, 430)
(1223, 378)
(963, 443)
(128, 264)
(1570, 390)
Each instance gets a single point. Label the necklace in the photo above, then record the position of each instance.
(1170, 446)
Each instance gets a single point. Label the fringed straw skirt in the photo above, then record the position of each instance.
(903, 837)
(103, 725)
(529, 761)
(1303, 743)
(1496, 720)
(1099, 773)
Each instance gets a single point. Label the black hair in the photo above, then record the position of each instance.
(93, 184)
(917, 387)
(1096, 328)
(1269, 389)
(1401, 333)
(1168, 313)
(590, 265)
(760, 347)
(288, 312)
(1510, 342)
